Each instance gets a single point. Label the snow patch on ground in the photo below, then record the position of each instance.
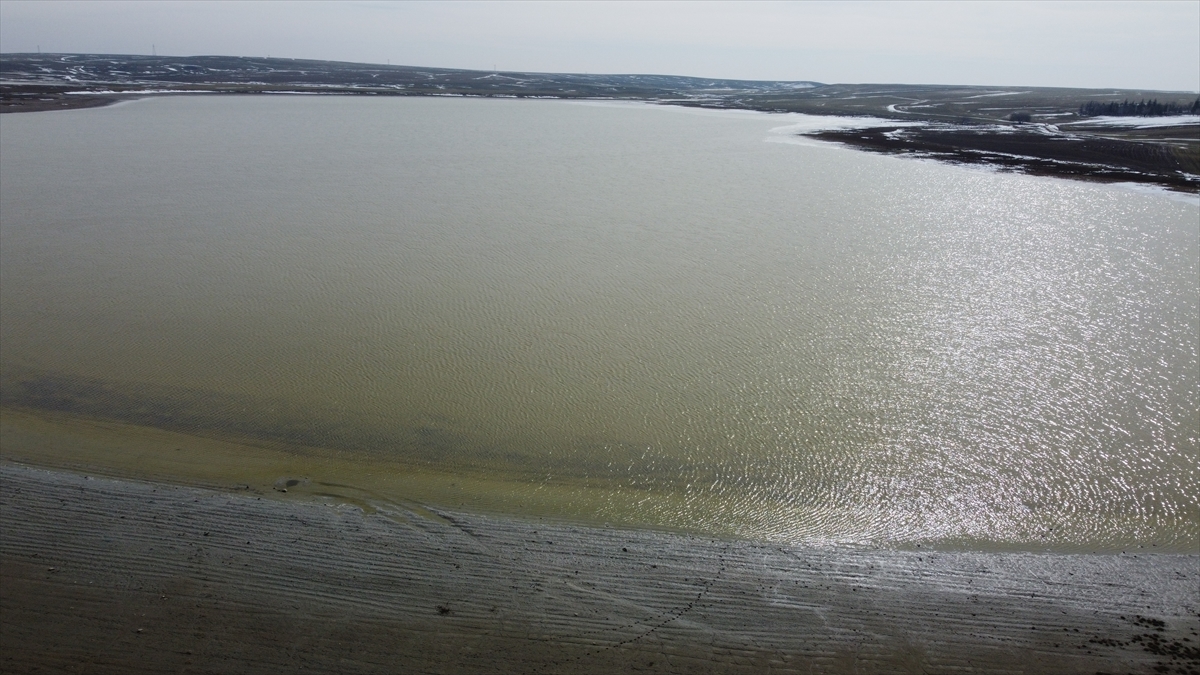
(1140, 122)
(811, 123)
(141, 91)
(794, 133)
(999, 93)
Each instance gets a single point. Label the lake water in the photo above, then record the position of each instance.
(661, 317)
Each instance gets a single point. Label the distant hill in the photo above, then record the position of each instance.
(108, 72)
(28, 78)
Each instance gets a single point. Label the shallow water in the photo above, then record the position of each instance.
(655, 315)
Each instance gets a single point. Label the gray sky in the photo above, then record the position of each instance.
(1152, 45)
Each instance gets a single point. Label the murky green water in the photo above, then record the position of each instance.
(720, 331)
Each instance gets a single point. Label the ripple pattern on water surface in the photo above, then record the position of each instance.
(692, 327)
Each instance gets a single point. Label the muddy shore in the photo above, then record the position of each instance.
(1033, 152)
(102, 575)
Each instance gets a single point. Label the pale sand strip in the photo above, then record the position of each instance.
(102, 575)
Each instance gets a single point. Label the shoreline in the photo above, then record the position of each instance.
(127, 576)
(1050, 121)
(1029, 150)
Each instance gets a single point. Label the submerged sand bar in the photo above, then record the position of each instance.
(123, 576)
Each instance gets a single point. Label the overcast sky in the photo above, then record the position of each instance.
(1150, 45)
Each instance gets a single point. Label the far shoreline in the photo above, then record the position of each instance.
(1026, 150)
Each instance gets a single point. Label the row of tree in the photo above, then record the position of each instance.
(1143, 108)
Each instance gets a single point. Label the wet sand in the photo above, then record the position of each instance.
(105, 575)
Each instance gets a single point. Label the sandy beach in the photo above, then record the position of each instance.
(104, 575)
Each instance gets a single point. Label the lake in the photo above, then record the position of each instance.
(609, 313)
